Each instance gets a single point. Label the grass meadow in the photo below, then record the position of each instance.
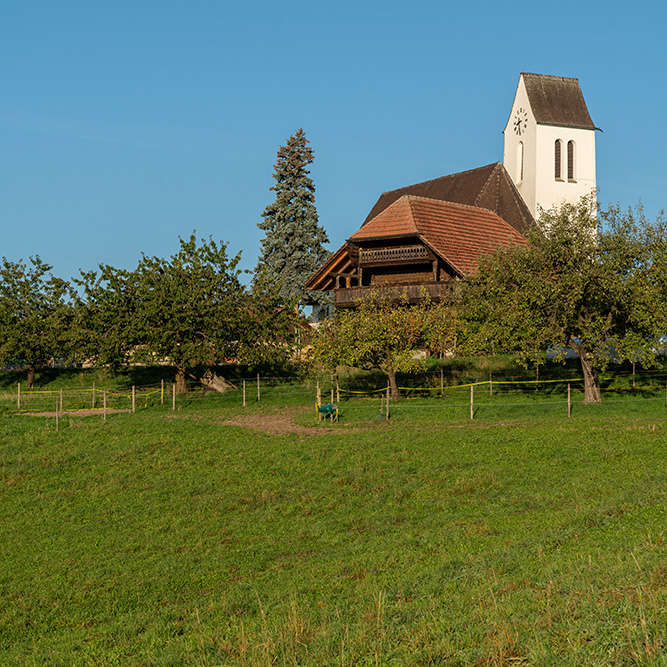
(217, 534)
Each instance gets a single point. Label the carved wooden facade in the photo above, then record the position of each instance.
(415, 245)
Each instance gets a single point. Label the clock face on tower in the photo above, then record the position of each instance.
(520, 121)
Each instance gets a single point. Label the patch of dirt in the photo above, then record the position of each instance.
(277, 422)
(73, 413)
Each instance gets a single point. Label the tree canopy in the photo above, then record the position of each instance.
(191, 309)
(34, 314)
(589, 281)
(380, 334)
(292, 248)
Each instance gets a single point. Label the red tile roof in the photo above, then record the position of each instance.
(456, 232)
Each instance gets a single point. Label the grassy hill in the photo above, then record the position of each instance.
(223, 535)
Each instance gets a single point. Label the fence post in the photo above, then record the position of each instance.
(472, 403)
(569, 405)
(258, 387)
(387, 402)
(162, 391)
(133, 398)
(490, 384)
(105, 406)
(61, 400)
(173, 396)
(332, 389)
(18, 399)
(93, 395)
(337, 392)
(244, 393)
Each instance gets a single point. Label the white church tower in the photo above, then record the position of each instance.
(550, 142)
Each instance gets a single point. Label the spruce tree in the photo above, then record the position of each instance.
(292, 247)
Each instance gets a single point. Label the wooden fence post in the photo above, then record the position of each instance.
(387, 402)
(569, 405)
(132, 398)
(162, 392)
(244, 393)
(337, 392)
(472, 403)
(61, 400)
(490, 384)
(105, 406)
(18, 399)
(332, 390)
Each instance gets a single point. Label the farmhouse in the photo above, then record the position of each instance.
(419, 238)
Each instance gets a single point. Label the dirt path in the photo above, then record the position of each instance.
(277, 422)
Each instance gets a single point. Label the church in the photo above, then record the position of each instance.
(419, 238)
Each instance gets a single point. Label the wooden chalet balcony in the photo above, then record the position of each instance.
(348, 297)
(400, 255)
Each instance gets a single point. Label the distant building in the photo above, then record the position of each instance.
(419, 238)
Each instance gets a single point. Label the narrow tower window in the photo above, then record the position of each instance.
(558, 151)
(519, 162)
(570, 160)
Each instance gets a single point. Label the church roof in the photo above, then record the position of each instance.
(458, 233)
(487, 187)
(557, 100)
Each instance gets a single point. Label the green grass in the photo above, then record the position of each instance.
(170, 538)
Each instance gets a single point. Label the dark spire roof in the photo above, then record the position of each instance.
(557, 100)
(487, 187)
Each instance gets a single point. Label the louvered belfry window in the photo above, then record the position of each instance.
(558, 149)
(570, 160)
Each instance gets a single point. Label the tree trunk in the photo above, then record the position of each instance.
(180, 380)
(393, 385)
(592, 392)
(31, 376)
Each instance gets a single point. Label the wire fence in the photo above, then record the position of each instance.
(358, 397)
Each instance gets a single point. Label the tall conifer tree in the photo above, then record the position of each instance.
(292, 247)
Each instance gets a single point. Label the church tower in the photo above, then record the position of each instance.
(550, 142)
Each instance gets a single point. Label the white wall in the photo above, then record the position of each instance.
(549, 191)
(539, 187)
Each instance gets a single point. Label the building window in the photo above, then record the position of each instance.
(570, 160)
(558, 168)
(519, 162)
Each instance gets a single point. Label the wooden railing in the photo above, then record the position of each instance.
(393, 255)
(348, 297)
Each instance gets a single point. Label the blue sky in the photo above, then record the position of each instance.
(124, 125)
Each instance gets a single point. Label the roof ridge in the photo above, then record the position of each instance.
(439, 178)
(550, 76)
(445, 202)
(486, 185)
